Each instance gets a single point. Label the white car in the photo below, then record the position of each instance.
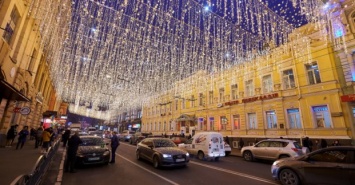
(272, 149)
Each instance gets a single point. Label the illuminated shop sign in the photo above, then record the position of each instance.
(253, 99)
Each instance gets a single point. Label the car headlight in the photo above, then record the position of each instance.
(276, 163)
(107, 152)
(79, 154)
(187, 155)
(166, 155)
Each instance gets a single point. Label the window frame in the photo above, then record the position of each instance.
(289, 83)
(249, 88)
(268, 87)
(234, 91)
(312, 80)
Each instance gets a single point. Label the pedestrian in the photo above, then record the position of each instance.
(11, 134)
(32, 134)
(46, 137)
(114, 144)
(317, 145)
(65, 137)
(73, 145)
(39, 137)
(336, 143)
(22, 137)
(227, 140)
(323, 143)
(241, 143)
(308, 143)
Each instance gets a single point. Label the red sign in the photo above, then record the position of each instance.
(17, 109)
(347, 98)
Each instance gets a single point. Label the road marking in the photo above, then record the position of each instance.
(170, 181)
(236, 173)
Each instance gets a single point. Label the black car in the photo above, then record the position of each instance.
(333, 165)
(93, 150)
(162, 152)
(138, 137)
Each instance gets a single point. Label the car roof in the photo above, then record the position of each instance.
(287, 140)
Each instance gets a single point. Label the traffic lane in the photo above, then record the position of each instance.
(197, 172)
(123, 172)
(258, 168)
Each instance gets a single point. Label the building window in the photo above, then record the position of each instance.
(234, 92)
(221, 95)
(267, 84)
(158, 129)
(294, 119)
(192, 101)
(288, 79)
(11, 25)
(249, 88)
(183, 103)
(252, 121)
(236, 121)
(176, 104)
(210, 97)
(200, 123)
(211, 120)
(313, 73)
(32, 61)
(223, 123)
(321, 116)
(200, 99)
(271, 119)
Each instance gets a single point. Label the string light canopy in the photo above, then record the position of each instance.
(115, 55)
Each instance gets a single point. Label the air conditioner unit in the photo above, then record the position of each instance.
(235, 144)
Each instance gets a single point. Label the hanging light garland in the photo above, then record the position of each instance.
(115, 55)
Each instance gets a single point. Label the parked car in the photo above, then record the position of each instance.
(227, 149)
(126, 135)
(272, 149)
(162, 152)
(178, 140)
(97, 133)
(138, 137)
(93, 150)
(208, 145)
(333, 165)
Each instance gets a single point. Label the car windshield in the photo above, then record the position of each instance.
(163, 143)
(131, 132)
(92, 142)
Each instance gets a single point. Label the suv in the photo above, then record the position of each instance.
(272, 149)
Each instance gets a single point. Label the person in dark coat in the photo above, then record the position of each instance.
(22, 137)
(308, 143)
(114, 144)
(11, 134)
(65, 137)
(241, 143)
(323, 143)
(73, 145)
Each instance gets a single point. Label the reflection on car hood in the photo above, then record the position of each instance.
(90, 149)
(170, 150)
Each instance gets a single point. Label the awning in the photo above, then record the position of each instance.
(11, 93)
(185, 117)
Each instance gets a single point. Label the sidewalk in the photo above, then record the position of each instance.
(17, 162)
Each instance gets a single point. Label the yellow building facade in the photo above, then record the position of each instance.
(26, 89)
(292, 92)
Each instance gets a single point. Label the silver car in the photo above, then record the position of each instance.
(272, 149)
(333, 165)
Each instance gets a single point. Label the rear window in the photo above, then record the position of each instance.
(297, 145)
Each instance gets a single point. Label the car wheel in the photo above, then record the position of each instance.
(138, 155)
(216, 159)
(289, 177)
(156, 162)
(200, 155)
(248, 156)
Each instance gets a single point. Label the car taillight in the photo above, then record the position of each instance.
(295, 149)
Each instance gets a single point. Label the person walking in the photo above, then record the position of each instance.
(336, 143)
(227, 140)
(114, 144)
(323, 143)
(39, 137)
(241, 143)
(65, 137)
(46, 137)
(308, 143)
(11, 134)
(22, 137)
(73, 145)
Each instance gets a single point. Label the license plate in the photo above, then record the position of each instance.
(94, 158)
(180, 160)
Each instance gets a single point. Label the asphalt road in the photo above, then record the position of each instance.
(128, 171)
